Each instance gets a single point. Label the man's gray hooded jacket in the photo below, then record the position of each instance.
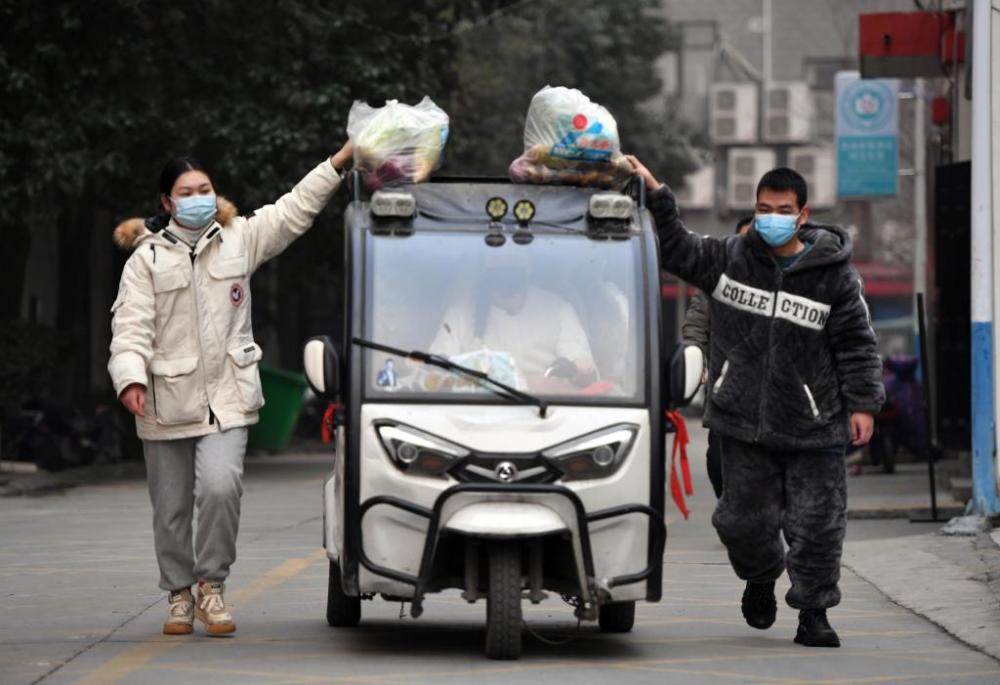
(793, 352)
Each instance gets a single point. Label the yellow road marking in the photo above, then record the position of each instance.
(741, 677)
(130, 660)
(136, 657)
(288, 677)
(937, 677)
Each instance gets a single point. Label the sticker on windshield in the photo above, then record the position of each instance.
(387, 376)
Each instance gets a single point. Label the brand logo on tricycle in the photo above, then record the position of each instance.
(505, 472)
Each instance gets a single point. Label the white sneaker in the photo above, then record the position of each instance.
(180, 613)
(211, 609)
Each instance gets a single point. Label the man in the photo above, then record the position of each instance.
(539, 329)
(794, 375)
(696, 329)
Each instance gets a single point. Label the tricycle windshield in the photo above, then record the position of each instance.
(561, 317)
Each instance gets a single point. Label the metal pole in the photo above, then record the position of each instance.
(919, 189)
(994, 89)
(984, 488)
(766, 50)
(931, 452)
(766, 42)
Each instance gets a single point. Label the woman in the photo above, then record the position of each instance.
(184, 361)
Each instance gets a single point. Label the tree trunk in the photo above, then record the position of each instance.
(17, 244)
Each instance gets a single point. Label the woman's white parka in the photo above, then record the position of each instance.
(181, 321)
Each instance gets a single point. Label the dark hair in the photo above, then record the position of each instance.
(744, 221)
(174, 168)
(783, 179)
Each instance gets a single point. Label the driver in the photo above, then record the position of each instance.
(508, 313)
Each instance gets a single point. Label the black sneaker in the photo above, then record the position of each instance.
(814, 629)
(759, 606)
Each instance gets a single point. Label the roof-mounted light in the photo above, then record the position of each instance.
(524, 211)
(393, 203)
(613, 206)
(496, 208)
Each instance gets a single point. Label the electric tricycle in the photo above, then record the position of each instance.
(501, 388)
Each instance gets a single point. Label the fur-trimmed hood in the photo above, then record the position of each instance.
(129, 232)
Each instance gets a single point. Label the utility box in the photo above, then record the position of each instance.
(744, 169)
(733, 113)
(817, 165)
(788, 112)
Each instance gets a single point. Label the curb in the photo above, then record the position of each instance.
(944, 513)
(44, 483)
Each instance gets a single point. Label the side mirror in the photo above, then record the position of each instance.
(322, 366)
(687, 366)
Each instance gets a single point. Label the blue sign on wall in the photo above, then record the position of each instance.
(867, 136)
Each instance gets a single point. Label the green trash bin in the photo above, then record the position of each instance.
(283, 394)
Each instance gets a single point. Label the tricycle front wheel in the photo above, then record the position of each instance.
(618, 617)
(503, 602)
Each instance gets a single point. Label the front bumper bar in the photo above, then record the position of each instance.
(420, 581)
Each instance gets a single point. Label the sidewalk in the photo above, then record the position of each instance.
(904, 494)
(954, 582)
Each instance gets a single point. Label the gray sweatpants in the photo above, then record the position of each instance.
(201, 474)
(801, 494)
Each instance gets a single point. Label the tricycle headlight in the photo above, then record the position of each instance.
(611, 206)
(387, 203)
(417, 453)
(595, 455)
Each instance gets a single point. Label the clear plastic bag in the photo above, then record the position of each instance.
(397, 143)
(570, 140)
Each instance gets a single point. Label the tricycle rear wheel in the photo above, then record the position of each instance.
(342, 611)
(618, 617)
(503, 602)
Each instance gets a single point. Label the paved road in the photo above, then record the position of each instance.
(79, 604)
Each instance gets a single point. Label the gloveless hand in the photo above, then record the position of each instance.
(862, 427)
(342, 157)
(640, 170)
(134, 399)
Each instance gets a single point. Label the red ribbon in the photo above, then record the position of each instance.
(328, 426)
(680, 448)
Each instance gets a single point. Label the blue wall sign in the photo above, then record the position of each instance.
(867, 136)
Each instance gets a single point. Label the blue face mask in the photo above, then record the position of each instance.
(775, 229)
(196, 211)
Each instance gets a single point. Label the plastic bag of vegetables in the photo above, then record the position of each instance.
(570, 140)
(397, 143)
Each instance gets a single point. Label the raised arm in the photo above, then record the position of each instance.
(699, 260)
(274, 227)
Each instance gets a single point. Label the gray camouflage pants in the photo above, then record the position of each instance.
(201, 474)
(801, 494)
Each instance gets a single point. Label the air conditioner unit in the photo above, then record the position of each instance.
(818, 166)
(699, 189)
(745, 167)
(733, 113)
(788, 112)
